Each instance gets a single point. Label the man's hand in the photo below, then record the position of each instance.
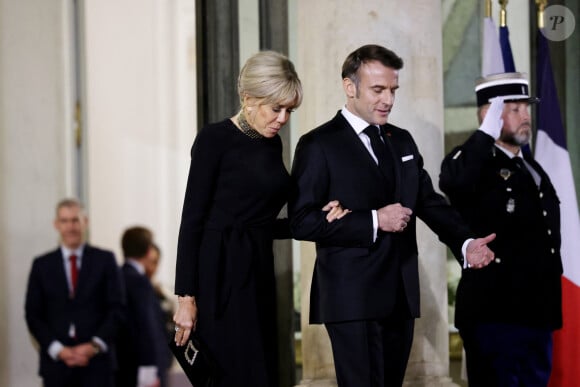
(493, 123)
(68, 356)
(85, 350)
(478, 255)
(394, 217)
(73, 357)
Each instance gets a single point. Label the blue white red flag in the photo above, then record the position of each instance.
(552, 154)
(492, 62)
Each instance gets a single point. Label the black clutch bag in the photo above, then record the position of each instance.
(199, 366)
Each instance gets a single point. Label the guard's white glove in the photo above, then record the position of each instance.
(492, 122)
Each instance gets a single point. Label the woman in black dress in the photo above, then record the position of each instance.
(237, 185)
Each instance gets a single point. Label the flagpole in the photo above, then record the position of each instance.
(488, 6)
(541, 6)
(503, 13)
(504, 41)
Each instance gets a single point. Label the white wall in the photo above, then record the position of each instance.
(140, 84)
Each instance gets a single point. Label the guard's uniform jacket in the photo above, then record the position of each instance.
(494, 194)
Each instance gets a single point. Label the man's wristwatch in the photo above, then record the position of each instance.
(96, 347)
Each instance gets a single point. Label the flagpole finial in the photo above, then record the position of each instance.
(488, 8)
(503, 13)
(541, 6)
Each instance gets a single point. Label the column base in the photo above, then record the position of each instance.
(430, 381)
(317, 383)
(427, 381)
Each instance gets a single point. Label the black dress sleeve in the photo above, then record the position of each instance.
(204, 170)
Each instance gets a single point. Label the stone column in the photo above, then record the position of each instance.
(317, 361)
(273, 16)
(36, 144)
(325, 35)
(217, 59)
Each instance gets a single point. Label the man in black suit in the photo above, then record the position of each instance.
(73, 305)
(143, 344)
(507, 311)
(365, 287)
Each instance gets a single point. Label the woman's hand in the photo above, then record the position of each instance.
(185, 318)
(335, 211)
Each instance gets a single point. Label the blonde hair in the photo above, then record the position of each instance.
(270, 76)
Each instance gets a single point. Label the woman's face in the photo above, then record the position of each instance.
(267, 119)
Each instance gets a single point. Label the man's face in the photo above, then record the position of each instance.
(517, 129)
(71, 224)
(374, 97)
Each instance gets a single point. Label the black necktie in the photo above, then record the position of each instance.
(380, 151)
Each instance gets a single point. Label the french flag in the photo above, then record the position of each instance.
(506, 50)
(491, 55)
(552, 154)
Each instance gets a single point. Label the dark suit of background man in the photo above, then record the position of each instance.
(506, 312)
(74, 324)
(365, 287)
(166, 301)
(142, 340)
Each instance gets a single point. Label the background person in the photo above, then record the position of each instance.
(365, 287)
(164, 298)
(142, 342)
(507, 311)
(73, 304)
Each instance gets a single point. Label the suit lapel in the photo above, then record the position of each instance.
(537, 168)
(59, 272)
(353, 140)
(84, 272)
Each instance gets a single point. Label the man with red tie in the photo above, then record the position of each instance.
(73, 304)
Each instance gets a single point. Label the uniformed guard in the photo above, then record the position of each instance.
(506, 312)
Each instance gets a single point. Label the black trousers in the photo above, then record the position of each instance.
(79, 377)
(505, 355)
(371, 353)
(98, 373)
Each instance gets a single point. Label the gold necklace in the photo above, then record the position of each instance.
(246, 128)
